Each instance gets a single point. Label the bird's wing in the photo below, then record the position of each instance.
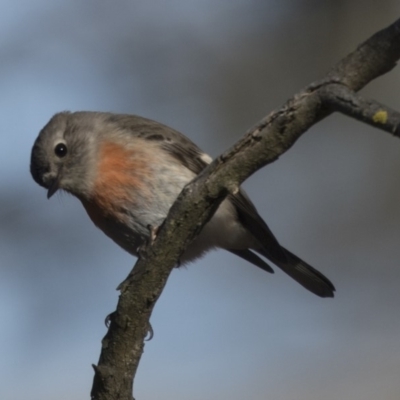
(170, 140)
(193, 158)
(253, 222)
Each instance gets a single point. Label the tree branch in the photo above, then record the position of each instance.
(123, 345)
(340, 98)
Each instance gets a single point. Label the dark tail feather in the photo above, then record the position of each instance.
(252, 258)
(303, 273)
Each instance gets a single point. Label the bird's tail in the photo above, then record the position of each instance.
(302, 273)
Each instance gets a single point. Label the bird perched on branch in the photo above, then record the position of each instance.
(127, 171)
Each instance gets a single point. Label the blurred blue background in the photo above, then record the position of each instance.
(223, 329)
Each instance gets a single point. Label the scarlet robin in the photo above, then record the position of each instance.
(127, 171)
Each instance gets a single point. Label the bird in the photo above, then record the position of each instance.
(128, 170)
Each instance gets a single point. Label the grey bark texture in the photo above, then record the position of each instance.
(123, 344)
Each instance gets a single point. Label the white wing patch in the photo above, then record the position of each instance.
(206, 158)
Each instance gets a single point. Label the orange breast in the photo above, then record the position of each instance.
(121, 182)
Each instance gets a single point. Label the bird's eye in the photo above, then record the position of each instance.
(61, 150)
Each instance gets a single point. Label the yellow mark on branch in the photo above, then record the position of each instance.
(380, 117)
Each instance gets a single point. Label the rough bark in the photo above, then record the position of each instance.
(122, 346)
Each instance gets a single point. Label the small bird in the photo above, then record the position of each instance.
(127, 171)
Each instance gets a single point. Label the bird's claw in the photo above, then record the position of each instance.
(109, 319)
(149, 333)
(153, 230)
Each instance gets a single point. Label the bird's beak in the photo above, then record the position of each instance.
(53, 187)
